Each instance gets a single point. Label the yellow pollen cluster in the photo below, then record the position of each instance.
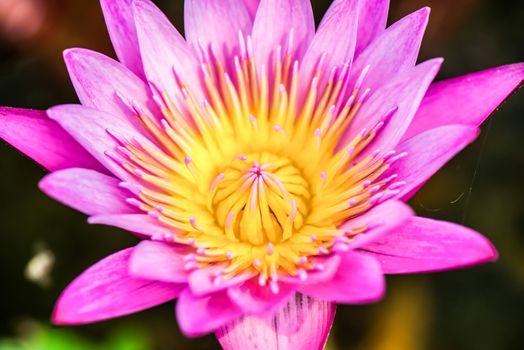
(260, 199)
(250, 176)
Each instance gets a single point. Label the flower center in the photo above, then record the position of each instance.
(261, 199)
(258, 174)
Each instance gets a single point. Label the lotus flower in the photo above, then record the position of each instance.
(263, 163)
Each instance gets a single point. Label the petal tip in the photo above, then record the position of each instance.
(436, 63)
(424, 13)
(52, 112)
(93, 220)
(60, 317)
(45, 184)
(71, 53)
(492, 255)
(422, 16)
(485, 251)
(56, 112)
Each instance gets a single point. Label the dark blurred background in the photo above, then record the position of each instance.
(44, 245)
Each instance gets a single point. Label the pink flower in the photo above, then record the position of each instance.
(264, 164)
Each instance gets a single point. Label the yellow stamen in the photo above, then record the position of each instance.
(256, 181)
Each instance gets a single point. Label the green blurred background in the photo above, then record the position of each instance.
(44, 245)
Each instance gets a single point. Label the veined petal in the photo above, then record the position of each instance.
(87, 191)
(164, 51)
(359, 279)
(402, 95)
(427, 153)
(372, 19)
(216, 23)
(456, 101)
(121, 27)
(141, 224)
(336, 37)
(256, 300)
(392, 53)
(200, 315)
(106, 290)
(379, 221)
(159, 262)
(100, 80)
(43, 140)
(425, 245)
(303, 323)
(275, 20)
(91, 127)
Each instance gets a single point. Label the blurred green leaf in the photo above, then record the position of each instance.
(59, 339)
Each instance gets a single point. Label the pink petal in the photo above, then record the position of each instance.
(392, 53)
(327, 267)
(164, 51)
(404, 92)
(100, 81)
(87, 191)
(141, 224)
(304, 323)
(216, 23)
(274, 21)
(372, 21)
(204, 281)
(425, 245)
(105, 290)
(466, 100)
(359, 280)
(252, 6)
(427, 153)
(43, 140)
(336, 37)
(90, 128)
(200, 315)
(121, 26)
(380, 220)
(254, 299)
(159, 261)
